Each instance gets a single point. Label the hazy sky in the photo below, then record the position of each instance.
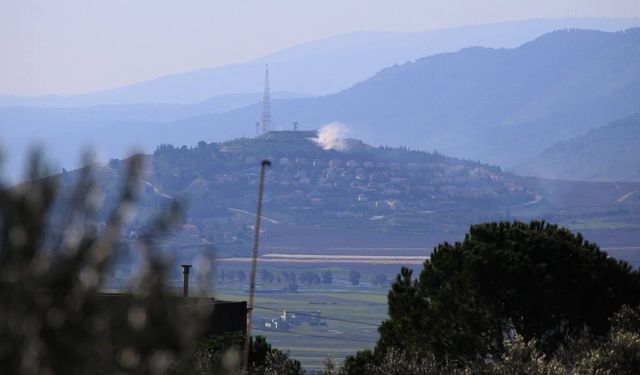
(74, 46)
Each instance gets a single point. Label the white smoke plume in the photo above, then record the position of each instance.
(332, 137)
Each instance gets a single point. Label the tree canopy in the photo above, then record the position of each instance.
(536, 281)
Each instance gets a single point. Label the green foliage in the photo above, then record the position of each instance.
(617, 353)
(327, 277)
(222, 355)
(213, 355)
(620, 353)
(620, 356)
(585, 354)
(520, 357)
(266, 276)
(396, 361)
(329, 366)
(359, 363)
(115, 164)
(277, 363)
(379, 280)
(354, 277)
(310, 277)
(53, 316)
(266, 360)
(535, 281)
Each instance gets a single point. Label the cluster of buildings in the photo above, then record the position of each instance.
(288, 320)
(385, 186)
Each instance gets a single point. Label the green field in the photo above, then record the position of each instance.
(352, 315)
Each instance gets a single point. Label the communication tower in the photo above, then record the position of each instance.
(266, 105)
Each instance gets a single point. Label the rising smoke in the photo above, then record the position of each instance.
(332, 137)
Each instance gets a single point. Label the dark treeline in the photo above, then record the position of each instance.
(511, 298)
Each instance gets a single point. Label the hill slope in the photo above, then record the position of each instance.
(608, 153)
(105, 128)
(359, 188)
(358, 196)
(496, 105)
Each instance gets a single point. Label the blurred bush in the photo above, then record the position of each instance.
(54, 315)
(54, 319)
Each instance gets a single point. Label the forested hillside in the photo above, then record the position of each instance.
(348, 189)
(608, 153)
(358, 186)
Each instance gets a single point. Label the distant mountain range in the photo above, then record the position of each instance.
(499, 106)
(324, 66)
(608, 153)
(496, 105)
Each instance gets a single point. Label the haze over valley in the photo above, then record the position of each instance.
(347, 193)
